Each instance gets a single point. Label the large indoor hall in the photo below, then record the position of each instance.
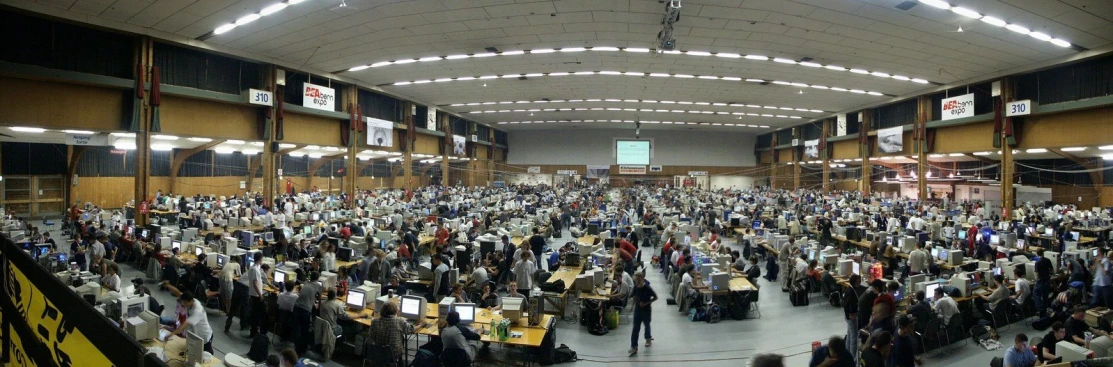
(760, 183)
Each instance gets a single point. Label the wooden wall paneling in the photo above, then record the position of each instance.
(846, 149)
(427, 144)
(311, 130)
(60, 105)
(975, 137)
(1076, 128)
(197, 117)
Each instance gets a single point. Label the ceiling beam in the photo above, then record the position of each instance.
(316, 165)
(288, 150)
(1090, 164)
(981, 159)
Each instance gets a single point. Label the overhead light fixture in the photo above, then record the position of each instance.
(966, 12)
(1108, 157)
(79, 132)
(200, 140)
(162, 147)
(164, 137)
(936, 156)
(1073, 149)
(273, 9)
(247, 19)
(250, 151)
(316, 155)
(937, 3)
(1036, 150)
(957, 155)
(1106, 147)
(994, 21)
(234, 142)
(24, 129)
(1018, 28)
(124, 135)
(224, 150)
(286, 145)
(982, 153)
(124, 145)
(224, 28)
(659, 75)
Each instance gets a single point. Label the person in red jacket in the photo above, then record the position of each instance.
(626, 245)
(442, 235)
(971, 236)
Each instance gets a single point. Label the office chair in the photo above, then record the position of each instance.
(455, 357)
(954, 329)
(378, 355)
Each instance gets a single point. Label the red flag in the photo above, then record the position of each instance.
(156, 88)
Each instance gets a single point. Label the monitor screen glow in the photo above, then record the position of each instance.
(355, 298)
(467, 312)
(410, 306)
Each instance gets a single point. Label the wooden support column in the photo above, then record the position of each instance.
(351, 170)
(1008, 168)
(443, 121)
(73, 155)
(269, 159)
(143, 58)
(796, 158)
(773, 161)
(407, 156)
(865, 184)
(178, 157)
(491, 158)
(826, 161)
(923, 106)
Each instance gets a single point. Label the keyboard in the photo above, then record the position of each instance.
(981, 292)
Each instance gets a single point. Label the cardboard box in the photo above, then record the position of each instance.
(1093, 314)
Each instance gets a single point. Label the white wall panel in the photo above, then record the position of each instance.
(595, 146)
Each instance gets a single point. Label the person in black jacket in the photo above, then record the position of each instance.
(1043, 283)
(851, 298)
(921, 310)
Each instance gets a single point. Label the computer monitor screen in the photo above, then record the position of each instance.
(177, 245)
(268, 236)
(410, 306)
(466, 311)
(1075, 236)
(898, 295)
(279, 277)
(935, 252)
(134, 310)
(943, 255)
(198, 250)
(1048, 232)
(930, 290)
(996, 271)
(145, 234)
(858, 269)
(889, 241)
(221, 259)
(356, 299)
(994, 239)
(1095, 253)
(757, 224)
(962, 235)
(307, 230)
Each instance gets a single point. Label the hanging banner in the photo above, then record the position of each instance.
(533, 169)
(840, 125)
(380, 133)
(318, 97)
(890, 140)
(811, 148)
(631, 170)
(459, 143)
(601, 171)
(86, 140)
(697, 173)
(568, 172)
(431, 118)
(958, 107)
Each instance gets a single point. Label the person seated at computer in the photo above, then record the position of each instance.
(1077, 328)
(691, 281)
(288, 297)
(1022, 287)
(1046, 347)
(815, 271)
(391, 331)
(621, 287)
(111, 279)
(459, 294)
(332, 310)
(456, 336)
(488, 298)
(1020, 355)
(999, 293)
(345, 232)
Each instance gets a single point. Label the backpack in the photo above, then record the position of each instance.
(564, 354)
(425, 358)
(697, 314)
(260, 348)
(835, 299)
(714, 313)
(555, 287)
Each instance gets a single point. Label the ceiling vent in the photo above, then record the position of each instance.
(906, 5)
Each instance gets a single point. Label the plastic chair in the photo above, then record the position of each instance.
(954, 329)
(1000, 316)
(753, 297)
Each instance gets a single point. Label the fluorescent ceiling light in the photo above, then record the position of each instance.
(936, 155)
(1040, 36)
(635, 49)
(956, 154)
(966, 12)
(757, 57)
(604, 48)
(200, 140)
(358, 68)
(224, 28)
(994, 21)
(937, 3)
(512, 53)
(1036, 150)
(24, 129)
(1073, 149)
(250, 151)
(296, 154)
(859, 71)
(162, 147)
(79, 132)
(983, 153)
(235, 142)
(257, 143)
(286, 145)
(1106, 147)
(784, 61)
(273, 9)
(1018, 28)
(125, 135)
(1108, 157)
(224, 150)
(295, 2)
(573, 49)
(124, 145)
(164, 137)
(542, 51)
(316, 155)
(248, 19)
(699, 53)
(429, 58)
(1060, 42)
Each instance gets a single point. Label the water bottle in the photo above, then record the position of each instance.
(494, 329)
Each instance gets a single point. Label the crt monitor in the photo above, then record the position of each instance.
(757, 224)
(356, 300)
(145, 234)
(994, 239)
(857, 268)
(593, 229)
(195, 348)
(1074, 235)
(466, 311)
(198, 250)
(268, 236)
(221, 259)
(962, 235)
(1049, 232)
(176, 245)
(935, 252)
(929, 291)
(898, 295)
(412, 307)
(132, 307)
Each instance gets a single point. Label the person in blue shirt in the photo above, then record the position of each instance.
(1020, 355)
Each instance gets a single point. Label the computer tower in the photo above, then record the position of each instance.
(445, 305)
(1071, 352)
(719, 281)
(1007, 239)
(954, 257)
(845, 267)
(907, 244)
(1054, 258)
(962, 283)
(1030, 270)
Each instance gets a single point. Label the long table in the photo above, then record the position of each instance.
(174, 348)
(531, 335)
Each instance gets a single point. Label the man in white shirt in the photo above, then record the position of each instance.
(279, 220)
(801, 266)
(255, 277)
(287, 299)
(289, 208)
(197, 322)
(1023, 289)
(918, 260)
(944, 305)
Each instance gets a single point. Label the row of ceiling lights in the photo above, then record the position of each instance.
(998, 22)
(271, 9)
(648, 101)
(646, 50)
(633, 121)
(637, 74)
(531, 111)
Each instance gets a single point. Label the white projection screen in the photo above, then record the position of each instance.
(632, 151)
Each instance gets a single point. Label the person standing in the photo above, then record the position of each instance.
(255, 278)
(1103, 282)
(850, 297)
(1043, 283)
(197, 321)
(644, 295)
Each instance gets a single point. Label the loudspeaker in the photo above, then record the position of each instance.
(274, 146)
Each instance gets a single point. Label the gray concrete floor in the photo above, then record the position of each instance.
(782, 329)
